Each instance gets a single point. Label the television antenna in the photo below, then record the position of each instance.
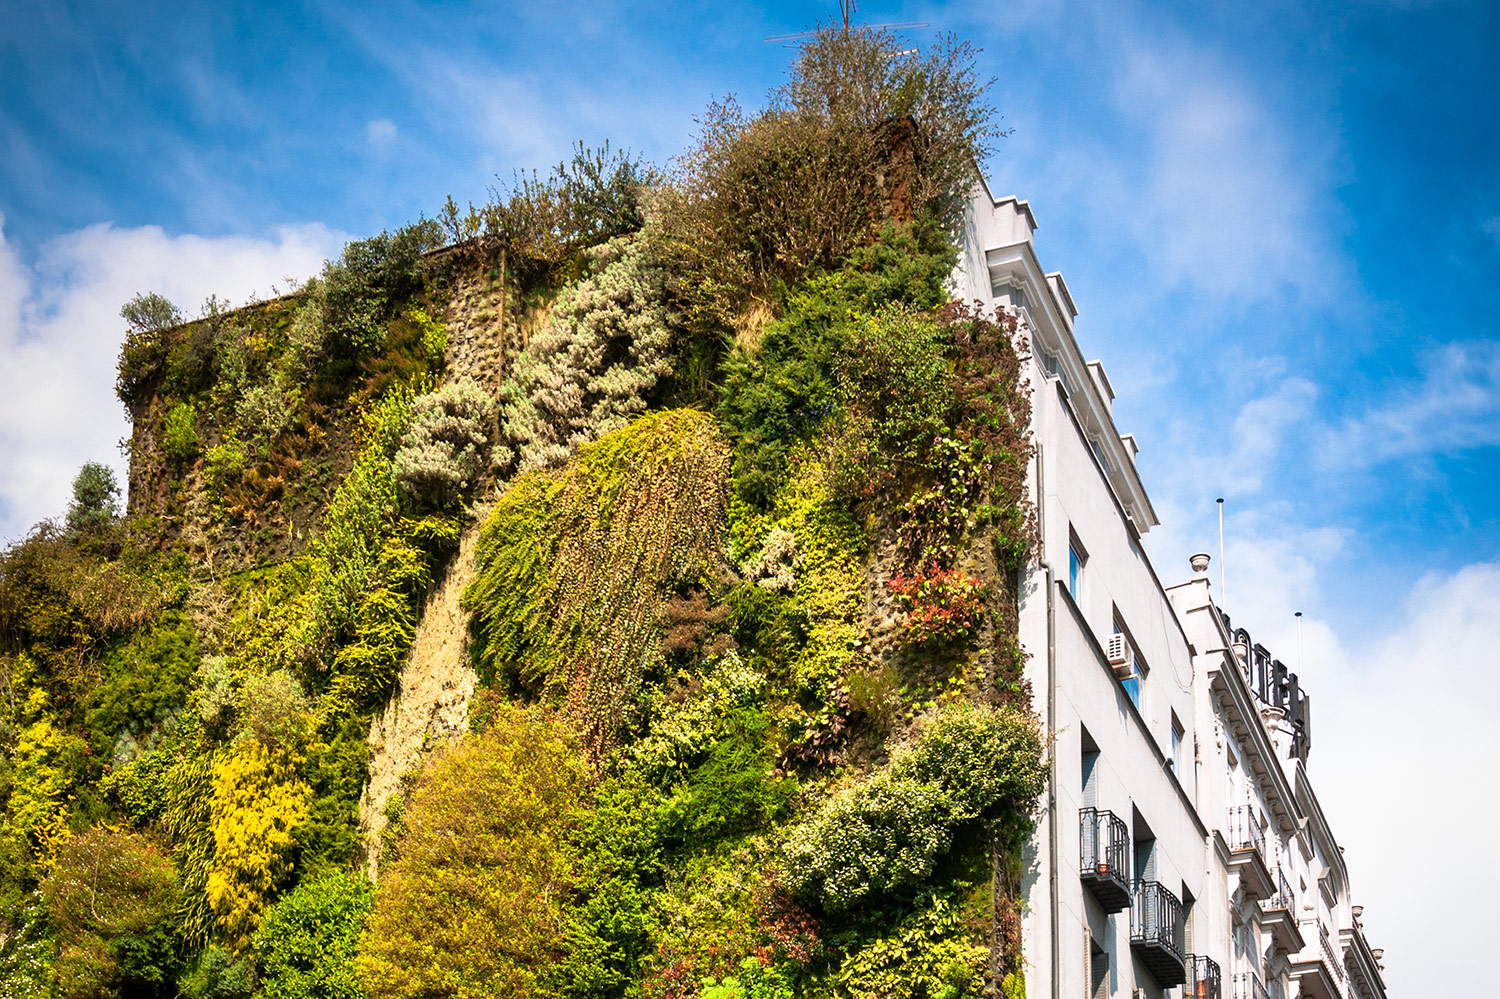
(847, 9)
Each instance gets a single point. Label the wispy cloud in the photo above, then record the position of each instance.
(60, 332)
(1452, 406)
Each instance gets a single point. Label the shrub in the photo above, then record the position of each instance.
(881, 838)
(147, 317)
(305, 946)
(275, 710)
(476, 902)
(859, 136)
(258, 801)
(359, 293)
(110, 902)
(96, 499)
(224, 463)
(593, 363)
(218, 974)
(443, 451)
(147, 679)
(180, 433)
(931, 954)
(575, 567)
(593, 197)
(941, 606)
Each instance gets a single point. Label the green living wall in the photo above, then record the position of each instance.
(744, 522)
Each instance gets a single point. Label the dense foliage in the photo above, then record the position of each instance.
(681, 620)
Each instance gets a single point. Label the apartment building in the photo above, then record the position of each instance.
(1180, 844)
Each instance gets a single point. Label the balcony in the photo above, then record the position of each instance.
(1104, 851)
(1278, 915)
(1247, 851)
(1319, 974)
(1248, 986)
(1203, 979)
(1157, 932)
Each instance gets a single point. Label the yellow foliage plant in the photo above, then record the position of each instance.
(258, 802)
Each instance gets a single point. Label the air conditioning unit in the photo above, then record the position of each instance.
(1121, 656)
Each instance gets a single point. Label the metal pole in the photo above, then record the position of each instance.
(1223, 591)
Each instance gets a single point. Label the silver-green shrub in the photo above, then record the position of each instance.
(443, 451)
(882, 838)
(592, 364)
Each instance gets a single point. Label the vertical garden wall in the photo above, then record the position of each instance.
(745, 505)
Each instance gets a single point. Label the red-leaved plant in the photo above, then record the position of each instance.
(942, 606)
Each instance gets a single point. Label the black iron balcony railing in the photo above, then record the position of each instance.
(1283, 899)
(1203, 979)
(1158, 933)
(1248, 986)
(1242, 830)
(1104, 852)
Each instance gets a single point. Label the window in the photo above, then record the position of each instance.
(1132, 682)
(1097, 979)
(1077, 559)
(1177, 734)
(1090, 771)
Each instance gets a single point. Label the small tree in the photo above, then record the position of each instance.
(147, 317)
(96, 499)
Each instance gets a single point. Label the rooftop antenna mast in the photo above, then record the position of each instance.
(847, 9)
(1299, 640)
(1223, 591)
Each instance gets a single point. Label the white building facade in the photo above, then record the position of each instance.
(1180, 849)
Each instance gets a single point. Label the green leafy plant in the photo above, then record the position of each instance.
(443, 451)
(96, 499)
(110, 901)
(575, 567)
(306, 944)
(594, 362)
(180, 433)
(476, 903)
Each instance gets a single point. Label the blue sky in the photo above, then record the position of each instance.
(1281, 224)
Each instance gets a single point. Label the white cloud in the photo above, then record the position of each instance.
(1453, 406)
(60, 333)
(1405, 764)
(1491, 227)
(380, 133)
(1222, 199)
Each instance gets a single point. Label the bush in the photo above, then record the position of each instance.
(575, 567)
(258, 801)
(146, 680)
(180, 433)
(147, 317)
(476, 903)
(96, 499)
(306, 944)
(360, 292)
(224, 463)
(443, 451)
(931, 954)
(110, 902)
(593, 197)
(594, 362)
(861, 135)
(881, 839)
(218, 974)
